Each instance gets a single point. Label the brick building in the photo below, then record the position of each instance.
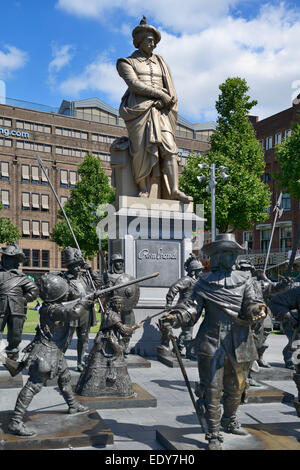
(62, 137)
(271, 131)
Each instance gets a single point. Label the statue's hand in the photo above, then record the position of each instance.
(159, 104)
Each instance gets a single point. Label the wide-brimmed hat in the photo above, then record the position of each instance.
(71, 256)
(144, 27)
(223, 242)
(14, 251)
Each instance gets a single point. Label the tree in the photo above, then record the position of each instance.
(93, 189)
(288, 154)
(243, 199)
(9, 233)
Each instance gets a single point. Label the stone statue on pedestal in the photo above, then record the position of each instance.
(149, 109)
(183, 288)
(16, 289)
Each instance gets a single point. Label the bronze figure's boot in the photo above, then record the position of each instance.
(229, 421)
(74, 406)
(215, 441)
(16, 425)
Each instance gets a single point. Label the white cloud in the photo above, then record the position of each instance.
(212, 45)
(62, 56)
(11, 60)
(100, 76)
(173, 14)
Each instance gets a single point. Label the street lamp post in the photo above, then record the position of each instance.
(212, 189)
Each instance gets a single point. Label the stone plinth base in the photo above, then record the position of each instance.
(57, 430)
(172, 361)
(141, 399)
(7, 381)
(268, 394)
(281, 436)
(273, 373)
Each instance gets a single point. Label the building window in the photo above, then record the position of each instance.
(287, 133)
(278, 138)
(45, 229)
(35, 198)
(71, 152)
(107, 139)
(4, 171)
(25, 228)
(33, 126)
(5, 198)
(25, 201)
(104, 157)
(266, 177)
(269, 143)
(45, 202)
(36, 258)
(45, 258)
(248, 237)
(63, 200)
(35, 178)
(44, 177)
(5, 122)
(64, 179)
(27, 254)
(286, 202)
(76, 134)
(73, 178)
(286, 238)
(37, 147)
(265, 239)
(25, 174)
(262, 144)
(5, 142)
(35, 229)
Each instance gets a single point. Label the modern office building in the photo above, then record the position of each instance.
(62, 137)
(271, 131)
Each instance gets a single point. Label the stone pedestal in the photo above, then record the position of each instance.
(152, 235)
(57, 430)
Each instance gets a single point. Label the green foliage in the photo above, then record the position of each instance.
(9, 233)
(243, 198)
(92, 190)
(288, 155)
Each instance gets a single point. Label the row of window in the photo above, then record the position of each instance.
(35, 228)
(37, 258)
(30, 201)
(265, 236)
(271, 141)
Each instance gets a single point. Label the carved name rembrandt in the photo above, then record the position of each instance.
(145, 254)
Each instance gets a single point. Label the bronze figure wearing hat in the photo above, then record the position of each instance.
(224, 342)
(16, 289)
(80, 285)
(149, 109)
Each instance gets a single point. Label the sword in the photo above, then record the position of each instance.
(68, 222)
(278, 213)
(200, 417)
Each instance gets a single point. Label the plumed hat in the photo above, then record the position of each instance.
(14, 251)
(142, 28)
(223, 241)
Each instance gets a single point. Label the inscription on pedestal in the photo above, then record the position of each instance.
(161, 256)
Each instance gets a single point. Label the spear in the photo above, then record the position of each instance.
(69, 225)
(278, 213)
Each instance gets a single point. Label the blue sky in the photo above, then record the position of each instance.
(66, 49)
